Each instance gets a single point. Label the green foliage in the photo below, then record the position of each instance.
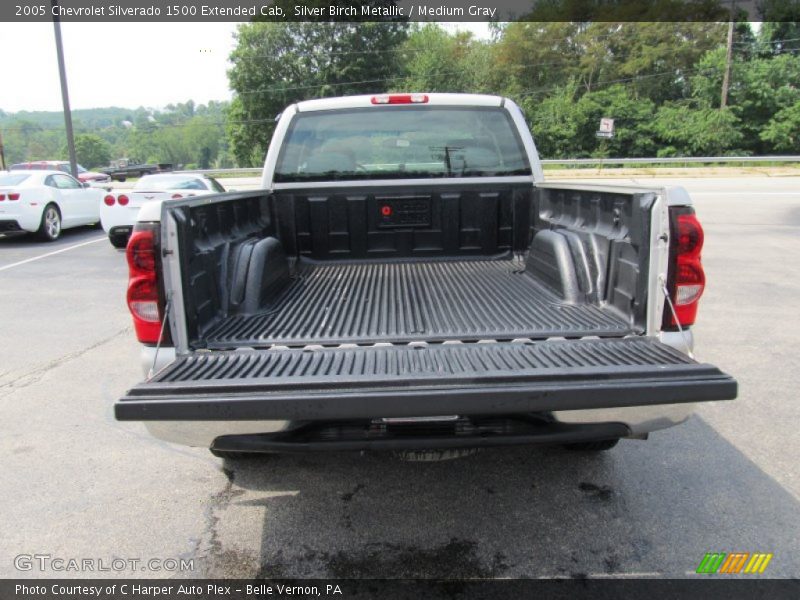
(91, 150)
(780, 30)
(566, 123)
(436, 61)
(782, 133)
(688, 130)
(275, 64)
(182, 133)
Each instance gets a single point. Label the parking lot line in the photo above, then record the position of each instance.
(28, 260)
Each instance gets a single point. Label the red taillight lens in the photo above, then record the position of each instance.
(109, 200)
(13, 196)
(2, 197)
(144, 300)
(400, 99)
(686, 279)
(141, 253)
(690, 235)
(122, 199)
(176, 196)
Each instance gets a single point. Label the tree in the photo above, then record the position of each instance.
(780, 31)
(689, 130)
(437, 61)
(533, 56)
(783, 130)
(92, 150)
(760, 89)
(565, 123)
(276, 64)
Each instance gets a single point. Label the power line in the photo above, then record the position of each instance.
(767, 43)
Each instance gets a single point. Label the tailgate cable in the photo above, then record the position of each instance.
(675, 316)
(160, 337)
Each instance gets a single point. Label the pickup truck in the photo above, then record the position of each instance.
(122, 169)
(407, 280)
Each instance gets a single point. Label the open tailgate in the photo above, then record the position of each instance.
(424, 380)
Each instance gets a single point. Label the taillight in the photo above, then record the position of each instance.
(400, 99)
(109, 200)
(144, 299)
(176, 196)
(686, 279)
(122, 199)
(2, 197)
(13, 196)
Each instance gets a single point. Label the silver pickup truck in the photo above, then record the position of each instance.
(406, 279)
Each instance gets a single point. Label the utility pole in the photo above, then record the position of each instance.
(62, 72)
(726, 78)
(2, 154)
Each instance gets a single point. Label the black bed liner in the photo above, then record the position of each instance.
(408, 301)
(398, 381)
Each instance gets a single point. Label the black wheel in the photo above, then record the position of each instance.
(118, 241)
(50, 227)
(121, 179)
(229, 455)
(598, 446)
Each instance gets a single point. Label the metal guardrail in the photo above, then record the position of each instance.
(592, 161)
(671, 160)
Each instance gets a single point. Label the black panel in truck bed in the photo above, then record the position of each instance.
(408, 301)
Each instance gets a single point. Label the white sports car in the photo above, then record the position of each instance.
(45, 202)
(119, 210)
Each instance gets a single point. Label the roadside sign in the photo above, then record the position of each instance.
(606, 128)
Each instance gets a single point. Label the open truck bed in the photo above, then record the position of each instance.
(302, 307)
(413, 301)
(477, 262)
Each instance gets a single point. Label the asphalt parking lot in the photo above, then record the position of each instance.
(76, 484)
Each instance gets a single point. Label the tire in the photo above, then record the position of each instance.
(50, 226)
(118, 241)
(121, 179)
(598, 446)
(230, 455)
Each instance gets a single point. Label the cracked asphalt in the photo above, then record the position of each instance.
(76, 484)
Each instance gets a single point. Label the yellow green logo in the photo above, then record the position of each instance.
(734, 563)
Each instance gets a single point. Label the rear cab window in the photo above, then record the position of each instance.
(401, 142)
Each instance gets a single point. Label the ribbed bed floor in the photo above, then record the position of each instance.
(402, 302)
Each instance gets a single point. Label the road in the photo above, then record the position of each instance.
(77, 484)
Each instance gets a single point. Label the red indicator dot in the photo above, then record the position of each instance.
(386, 211)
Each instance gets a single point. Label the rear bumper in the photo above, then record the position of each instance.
(636, 421)
(10, 226)
(23, 218)
(345, 437)
(115, 217)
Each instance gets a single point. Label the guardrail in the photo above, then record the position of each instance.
(671, 160)
(591, 161)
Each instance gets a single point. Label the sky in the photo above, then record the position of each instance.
(114, 64)
(121, 64)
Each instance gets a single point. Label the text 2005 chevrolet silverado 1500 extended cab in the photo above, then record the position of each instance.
(406, 279)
